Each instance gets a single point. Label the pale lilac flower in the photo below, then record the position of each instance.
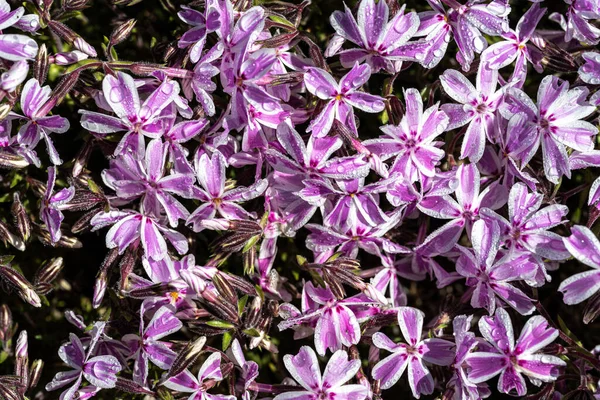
(374, 34)
(348, 241)
(52, 204)
(238, 36)
(516, 47)
(16, 75)
(202, 83)
(202, 24)
(556, 122)
(100, 371)
(585, 247)
(144, 176)
(210, 172)
(38, 125)
(341, 98)
(166, 272)
(249, 368)
(304, 368)
(589, 72)
(513, 360)
(15, 47)
(336, 324)
(251, 106)
(465, 342)
(412, 354)
(412, 142)
(464, 210)
(578, 23)
(513, 152)
(526, 228)
(466, 23)
(209, 373)
(477, 107)
(352, 202)
(176, 134)
(131, 226)
(313, 159)
(147, 345)
(138, 120)
(489, 275)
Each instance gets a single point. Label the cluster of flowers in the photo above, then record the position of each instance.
(240, 98)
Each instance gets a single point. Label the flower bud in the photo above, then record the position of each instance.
(122, 32)
(82, 157)
(69, 57)
(49, 270)
(14, 76)
(22, 357)
(35, 372)
(158, 289)
(8, 237)
(592, 309)
(21, 285)
(10, 160)
(85, 47)
(75, 5)
(99, 290)
(6, 325)
(83, 200)
(129, 386)
(21, 219)
(224, 288)
(60, 91)
(186, 357)
(9, 393)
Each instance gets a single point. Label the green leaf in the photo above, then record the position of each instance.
(227, 339)
(242, 304)
(252, 332)
(281, 20)
(3, 356)
(220, 324)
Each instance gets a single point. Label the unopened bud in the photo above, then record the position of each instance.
(8, 237)
(592, 309)
(85, 47)
(9, 393)
(10, 160)
(279, 40)
(35, 372)
(99, 290)
(129, 386)
(68, 58)
(21, 219)
(41, 64)
(22, 357)
(158, 289)
(21, 285)
(60, 91)
(49, 270)
(14, 76)
(122, 32)
(4, 110)
(186, 357)
(224, 288)
(6, 320)
(62, 31)
(82, 157)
